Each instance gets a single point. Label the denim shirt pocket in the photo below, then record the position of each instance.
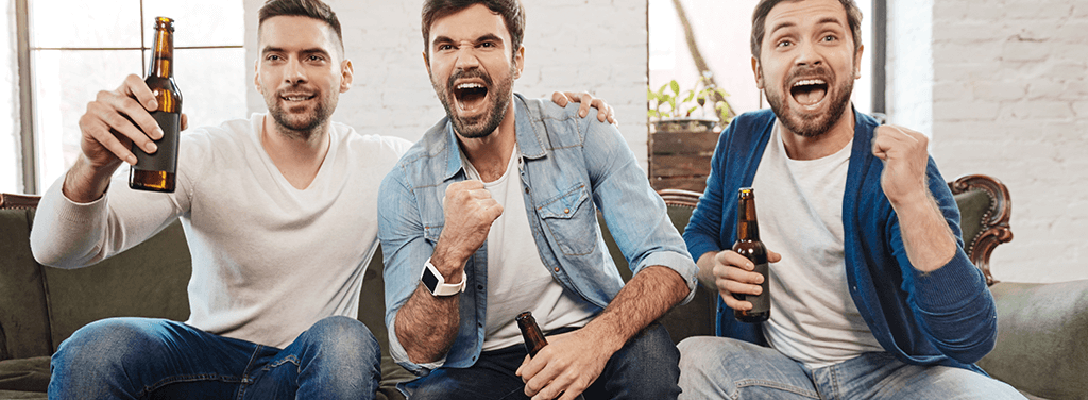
(570, 220)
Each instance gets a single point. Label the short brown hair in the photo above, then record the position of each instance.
(512, 12)
(759, 19)
(302, 8)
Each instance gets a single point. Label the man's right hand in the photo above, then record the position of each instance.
(733, 274)
(115, 120)
(469, 211)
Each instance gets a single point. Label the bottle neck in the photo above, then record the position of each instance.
(162, 57)
(747, 231)
(747, 224)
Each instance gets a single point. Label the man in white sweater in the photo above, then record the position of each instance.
(280, 216)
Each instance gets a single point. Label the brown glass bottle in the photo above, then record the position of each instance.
(534, 338)
(530, 331)
(156, 171)
(749, 245)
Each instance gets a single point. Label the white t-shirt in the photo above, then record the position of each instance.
(517, 280)
(799, 204)
(269, 260)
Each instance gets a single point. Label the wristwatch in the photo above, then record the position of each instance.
(436, 283)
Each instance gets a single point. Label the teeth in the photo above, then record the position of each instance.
(469, 85)
(809, 82)
(297, 98)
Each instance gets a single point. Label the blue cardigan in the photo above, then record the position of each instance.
(944, 317)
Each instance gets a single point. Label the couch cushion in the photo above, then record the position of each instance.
(24, 333)
(31, 374)
(973, 206)
(148, 280)
(1041, 334)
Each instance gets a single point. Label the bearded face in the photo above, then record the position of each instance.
(474, 102)
(806, 90)
(807, 64)
(301, 110)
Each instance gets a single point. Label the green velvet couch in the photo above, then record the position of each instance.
(1040, 348)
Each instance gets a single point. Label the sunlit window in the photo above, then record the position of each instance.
(79, 47)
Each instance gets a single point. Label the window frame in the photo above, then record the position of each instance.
(28, 136)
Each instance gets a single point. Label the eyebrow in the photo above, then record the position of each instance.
(270, 49)
(791, 24)
(482, 38)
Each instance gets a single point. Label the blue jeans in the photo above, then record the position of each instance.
(646, 368)
(140, 358)
(727, 368)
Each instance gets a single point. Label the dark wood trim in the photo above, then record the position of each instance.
(18, 201)
(681, 197)
(995, 222)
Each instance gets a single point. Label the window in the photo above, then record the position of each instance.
(79, 47)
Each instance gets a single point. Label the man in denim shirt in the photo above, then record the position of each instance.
(493, 213)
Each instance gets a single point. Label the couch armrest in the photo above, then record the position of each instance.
(1042, 331)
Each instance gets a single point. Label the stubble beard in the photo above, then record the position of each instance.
(812, 125)
(302, 126)
(482, 125)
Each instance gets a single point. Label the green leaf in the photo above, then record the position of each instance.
(675, 86)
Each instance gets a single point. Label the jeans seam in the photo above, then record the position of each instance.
(245, 373)
(776, 385)
(185, 378)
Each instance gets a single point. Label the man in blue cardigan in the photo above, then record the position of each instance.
(872, 294)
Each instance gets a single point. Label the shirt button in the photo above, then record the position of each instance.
(566, 211)
(479, 287)
(526, 190)
(556, 269)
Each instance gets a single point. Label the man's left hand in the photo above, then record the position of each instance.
(568, 364)
(586, 100)
(905, 154)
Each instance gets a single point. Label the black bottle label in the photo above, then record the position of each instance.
(166, 157)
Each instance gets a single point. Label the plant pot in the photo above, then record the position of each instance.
(683, 125)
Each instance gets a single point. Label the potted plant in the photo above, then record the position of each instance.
(673, 110)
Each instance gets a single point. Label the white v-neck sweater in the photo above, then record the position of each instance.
(269, 260)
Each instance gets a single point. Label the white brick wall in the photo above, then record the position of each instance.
(592, 45)
(1010, 99)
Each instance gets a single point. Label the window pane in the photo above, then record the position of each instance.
(64, 81)
(212, 83)
(198, 22)
(85, 23)
(10, 155)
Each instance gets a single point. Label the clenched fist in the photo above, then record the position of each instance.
(469, 211)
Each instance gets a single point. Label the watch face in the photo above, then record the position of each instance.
(429, 279)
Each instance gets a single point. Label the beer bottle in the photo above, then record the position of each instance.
(534, 338)
(748, 245)
(530, 331)
(156, 171)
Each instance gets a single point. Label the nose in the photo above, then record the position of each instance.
(293, 72)
(466, 58)
(808, 55)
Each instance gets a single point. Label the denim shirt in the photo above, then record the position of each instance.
(570, 167)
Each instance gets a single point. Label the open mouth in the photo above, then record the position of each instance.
(470, 95)
(809, 92)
